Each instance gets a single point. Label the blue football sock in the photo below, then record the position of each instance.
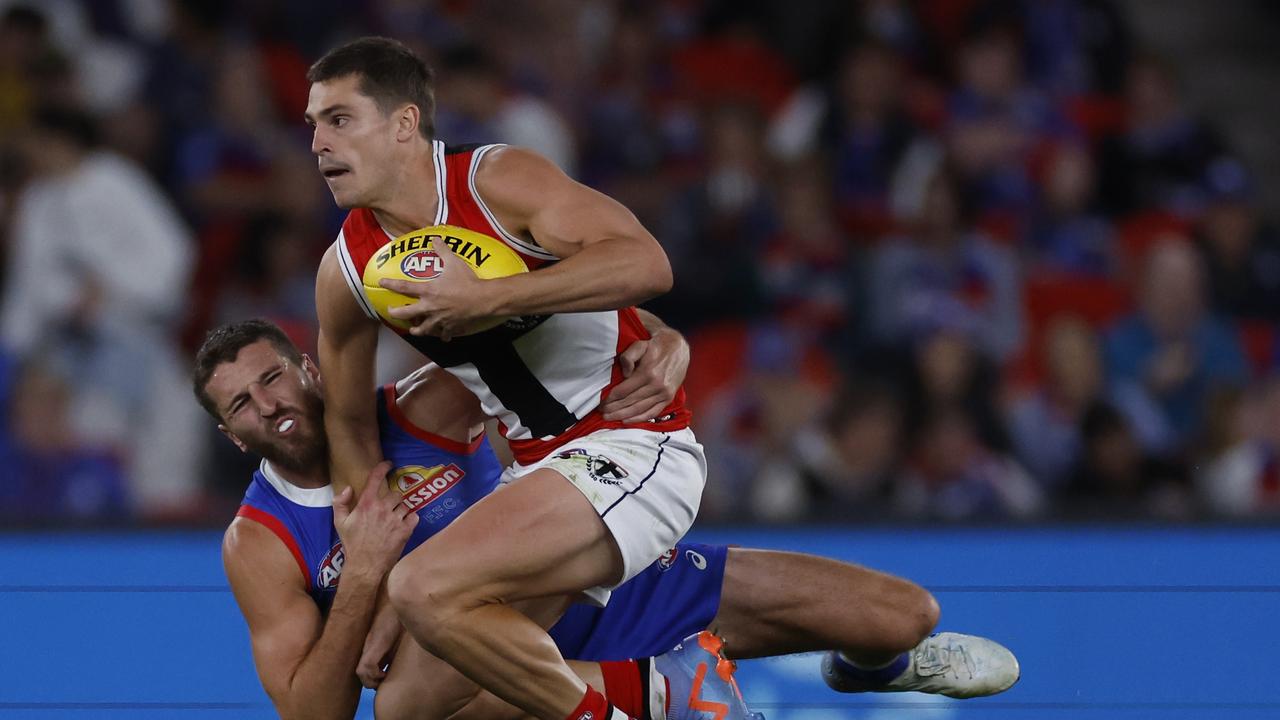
(873, 678)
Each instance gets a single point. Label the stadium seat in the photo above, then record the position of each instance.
(1140, 231)
(1096, 300)
(1258, 340)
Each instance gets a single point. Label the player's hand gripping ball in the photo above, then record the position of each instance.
(413, 257)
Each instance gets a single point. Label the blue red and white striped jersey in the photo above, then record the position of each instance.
(438, 477)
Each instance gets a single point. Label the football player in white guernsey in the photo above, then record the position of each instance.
(594, 500)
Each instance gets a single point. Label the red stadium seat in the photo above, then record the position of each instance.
(1258, 340)
(716, 361)
(1046, 297)
(1139, 232)
(1097, 115)
(720, 359)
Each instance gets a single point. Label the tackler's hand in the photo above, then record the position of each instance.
(375, 527)
(380, 644)
(654, 370)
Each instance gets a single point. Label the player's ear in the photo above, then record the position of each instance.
(233, 437)
(407, 122)
(310, 368)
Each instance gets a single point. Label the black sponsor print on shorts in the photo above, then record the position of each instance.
(601, 468)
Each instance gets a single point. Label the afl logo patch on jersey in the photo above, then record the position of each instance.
(422, 265)
(420, 486)
(667, 559)
(330, 569)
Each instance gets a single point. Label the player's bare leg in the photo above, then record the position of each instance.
(776, 603)
(877, 625)
(536, 538)
(420, 686)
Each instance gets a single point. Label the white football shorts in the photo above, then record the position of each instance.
(645, 485)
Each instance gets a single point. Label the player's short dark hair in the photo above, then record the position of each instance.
(225, 342)
(390, 73)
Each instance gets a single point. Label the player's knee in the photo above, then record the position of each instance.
(918, 613)
(426, 594)
(927, 612)
(406, 588)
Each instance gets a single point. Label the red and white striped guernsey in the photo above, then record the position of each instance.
(542, 377)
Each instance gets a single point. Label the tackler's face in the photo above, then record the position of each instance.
(353, 140)
(271, 406)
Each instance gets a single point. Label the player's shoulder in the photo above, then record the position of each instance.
(253, 552)
(500, 161)
(246, 539)
(512, 175)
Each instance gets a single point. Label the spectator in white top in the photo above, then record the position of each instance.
(99, 264)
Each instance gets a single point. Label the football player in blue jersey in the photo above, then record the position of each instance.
(310, 634)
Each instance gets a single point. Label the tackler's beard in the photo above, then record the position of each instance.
(305, 450)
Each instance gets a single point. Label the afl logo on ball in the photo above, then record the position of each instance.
(421, 265)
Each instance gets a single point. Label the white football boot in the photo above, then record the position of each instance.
(951, 664)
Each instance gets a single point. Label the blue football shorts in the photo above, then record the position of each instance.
(675, 597)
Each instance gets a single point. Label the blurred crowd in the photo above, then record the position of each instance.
(941, 259)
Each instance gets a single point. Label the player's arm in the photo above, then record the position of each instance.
(432, 399)
(347, 345)
(608, 259)
(303, 676)
(307, 664)
(654, 370)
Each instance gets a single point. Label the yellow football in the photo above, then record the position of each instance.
(413, 257)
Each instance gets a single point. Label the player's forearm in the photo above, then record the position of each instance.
(605, 275)
(353, 448)
(325, 683)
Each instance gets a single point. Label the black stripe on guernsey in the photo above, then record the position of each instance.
(459, 149)
(504, 371)
(661, 446)
(643, 665)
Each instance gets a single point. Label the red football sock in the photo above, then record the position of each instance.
(628, 685)
(595, 707)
